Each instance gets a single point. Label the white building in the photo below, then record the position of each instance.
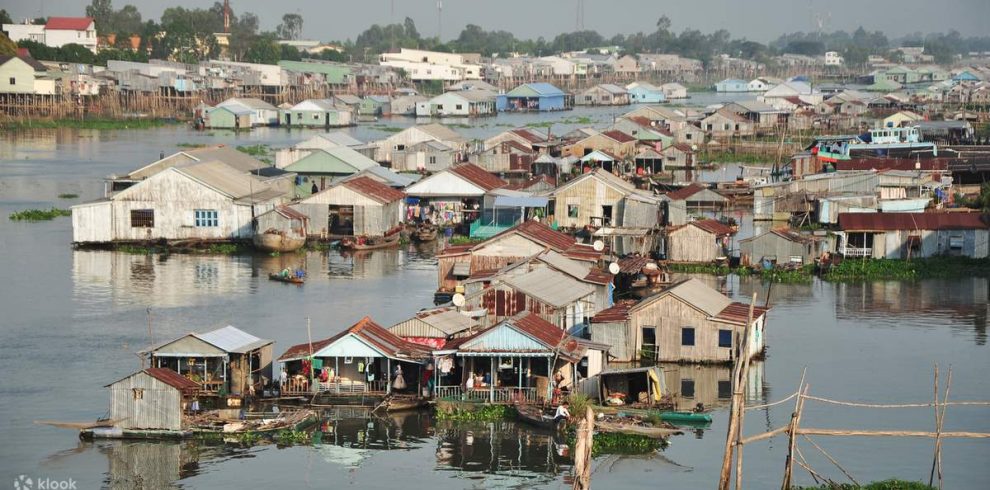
(430, 65)
(460, 103)
(57, 32)
(833, 58)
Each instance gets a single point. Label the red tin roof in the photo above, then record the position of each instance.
(478, 176)
(619, 136)
(172, 379)
(911, 221)
(69, 23)
(374, 189)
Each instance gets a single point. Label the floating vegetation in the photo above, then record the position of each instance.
(482, 413)
(906, 270)
(260, 151)
(39, 214)
(292, 437)
(463, 240)
(68, 195)
(617, 443)
(387, 129)
(315, 246)
(191, 145)
(212, 248)
(802, 274)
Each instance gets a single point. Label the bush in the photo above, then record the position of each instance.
(39, 214)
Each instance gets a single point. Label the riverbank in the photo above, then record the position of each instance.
(88, 123)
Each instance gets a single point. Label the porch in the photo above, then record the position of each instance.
(490, 394)
(507, 378)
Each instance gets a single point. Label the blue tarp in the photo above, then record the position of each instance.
(520, 202)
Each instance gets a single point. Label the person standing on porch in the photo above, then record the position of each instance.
(399, 383)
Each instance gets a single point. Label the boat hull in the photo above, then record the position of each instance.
(273, 242)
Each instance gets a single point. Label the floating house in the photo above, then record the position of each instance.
(208, 201)
(599, 198)
(435, 327)
(262, 113)
(514, 361)
(359, 361)
(225, 361)
(689, 200)
(359, 206)
(459, 262)
(674, 90)
(322, 167)
(556, 297)
(700, 241)
(781, 246)
(613, 141)
(455, 194)
(151, 399)
(687, 322)
(464, 103)
(645, 93)
(602, 94)
(534, 97)
(418, 134)
(724, 123)
(375, 106)
(317, 113)
(228, 117)
(428, 156)
(732, 85)
(913, 235)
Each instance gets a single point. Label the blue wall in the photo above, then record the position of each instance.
(639, 95)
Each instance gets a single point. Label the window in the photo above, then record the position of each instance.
(572, 210)
(725, 389)
(687, 136)
(400, 147)
(206, 218)
(687, 336)
(459, 106)
(687, 388)
(433, 160)
(137, 393)
(316, 117)
(142, 218)
(13, 81)
(724, 338)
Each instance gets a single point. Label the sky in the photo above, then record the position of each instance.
(759, 20)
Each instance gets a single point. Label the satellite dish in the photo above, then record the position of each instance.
(614, 268)
(570, 345)
(458, 300)
(598, 245)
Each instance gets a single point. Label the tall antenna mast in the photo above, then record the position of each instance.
(440, 20)
(579, 21)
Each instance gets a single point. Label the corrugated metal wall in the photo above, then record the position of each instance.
(159, 406)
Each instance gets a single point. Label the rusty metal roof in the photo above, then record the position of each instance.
(911, 221)
(374, 189)
(618, 312)
(172, 378)
(739, 313)
(685, 192)
(619, 136)
(478, 176)
(374, 334)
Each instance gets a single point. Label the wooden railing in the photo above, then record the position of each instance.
(338, 387)
(498, 395)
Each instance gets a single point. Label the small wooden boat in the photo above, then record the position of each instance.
(635, 429)
(694, 418)
(402, 403)
(291, 279)
(533, 415)
(370, 243)
(425, 232)
(278, 241)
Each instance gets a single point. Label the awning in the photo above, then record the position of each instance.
(520, 202)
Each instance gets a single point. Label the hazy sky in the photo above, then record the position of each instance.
(760, 20)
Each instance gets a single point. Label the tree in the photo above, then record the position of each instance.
(264, 49)
(5, 17)
(126, 21)
(291, 26)
(102, 13)
(7, 47)
(290, 53)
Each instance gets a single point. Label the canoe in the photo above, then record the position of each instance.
(290, 279)
(533, 415)
(635, 429)
(366, 243)
(686, 417)
(398, 404)
(278, 242)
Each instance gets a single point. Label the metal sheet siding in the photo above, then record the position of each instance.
(504, 339)
(92, 223)
(160, 406)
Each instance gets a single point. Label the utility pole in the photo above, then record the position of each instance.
(440, 20)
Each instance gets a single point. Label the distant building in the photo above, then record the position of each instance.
(645, 93)
(732, 85)
(833, 58)
(57, 32)
(602, 94)
(534, 97)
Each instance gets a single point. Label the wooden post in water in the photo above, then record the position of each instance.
(792, 437)
(736, 406)
(582, 451)
(742, 390)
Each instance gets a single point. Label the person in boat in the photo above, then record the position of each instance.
(284, 273)
(562, 416)
(300, 273)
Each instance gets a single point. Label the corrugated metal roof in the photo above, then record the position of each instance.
(448, 321)
(739, 313)
(232, 339)
(172, 378)
(710, 225)
(533, 329)
(619, 136)
(389, 344)
(911, 221)
(225, 179)
(618, 312)
(478, 176)
(441, 132)
(695, 293)
(68, 23)
(570, 267)
(550, 286)
(374, 189)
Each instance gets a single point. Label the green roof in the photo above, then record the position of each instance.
(341, 161)
(335, 74)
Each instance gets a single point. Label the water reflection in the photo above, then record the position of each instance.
(347, 436)
(503, 454)
(710, 385)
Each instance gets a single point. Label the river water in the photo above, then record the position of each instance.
(71, 321)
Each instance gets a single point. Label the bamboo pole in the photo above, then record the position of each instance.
(939, 423)
(744, 378)
(830, 458)
(792, 438)
(892, 433)
(734, 408)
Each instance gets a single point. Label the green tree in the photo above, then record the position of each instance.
(291, 26)
(5, 17)
(264, 49)
(102, 13)
(126, 21)
(7, 47)
(290, 53)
